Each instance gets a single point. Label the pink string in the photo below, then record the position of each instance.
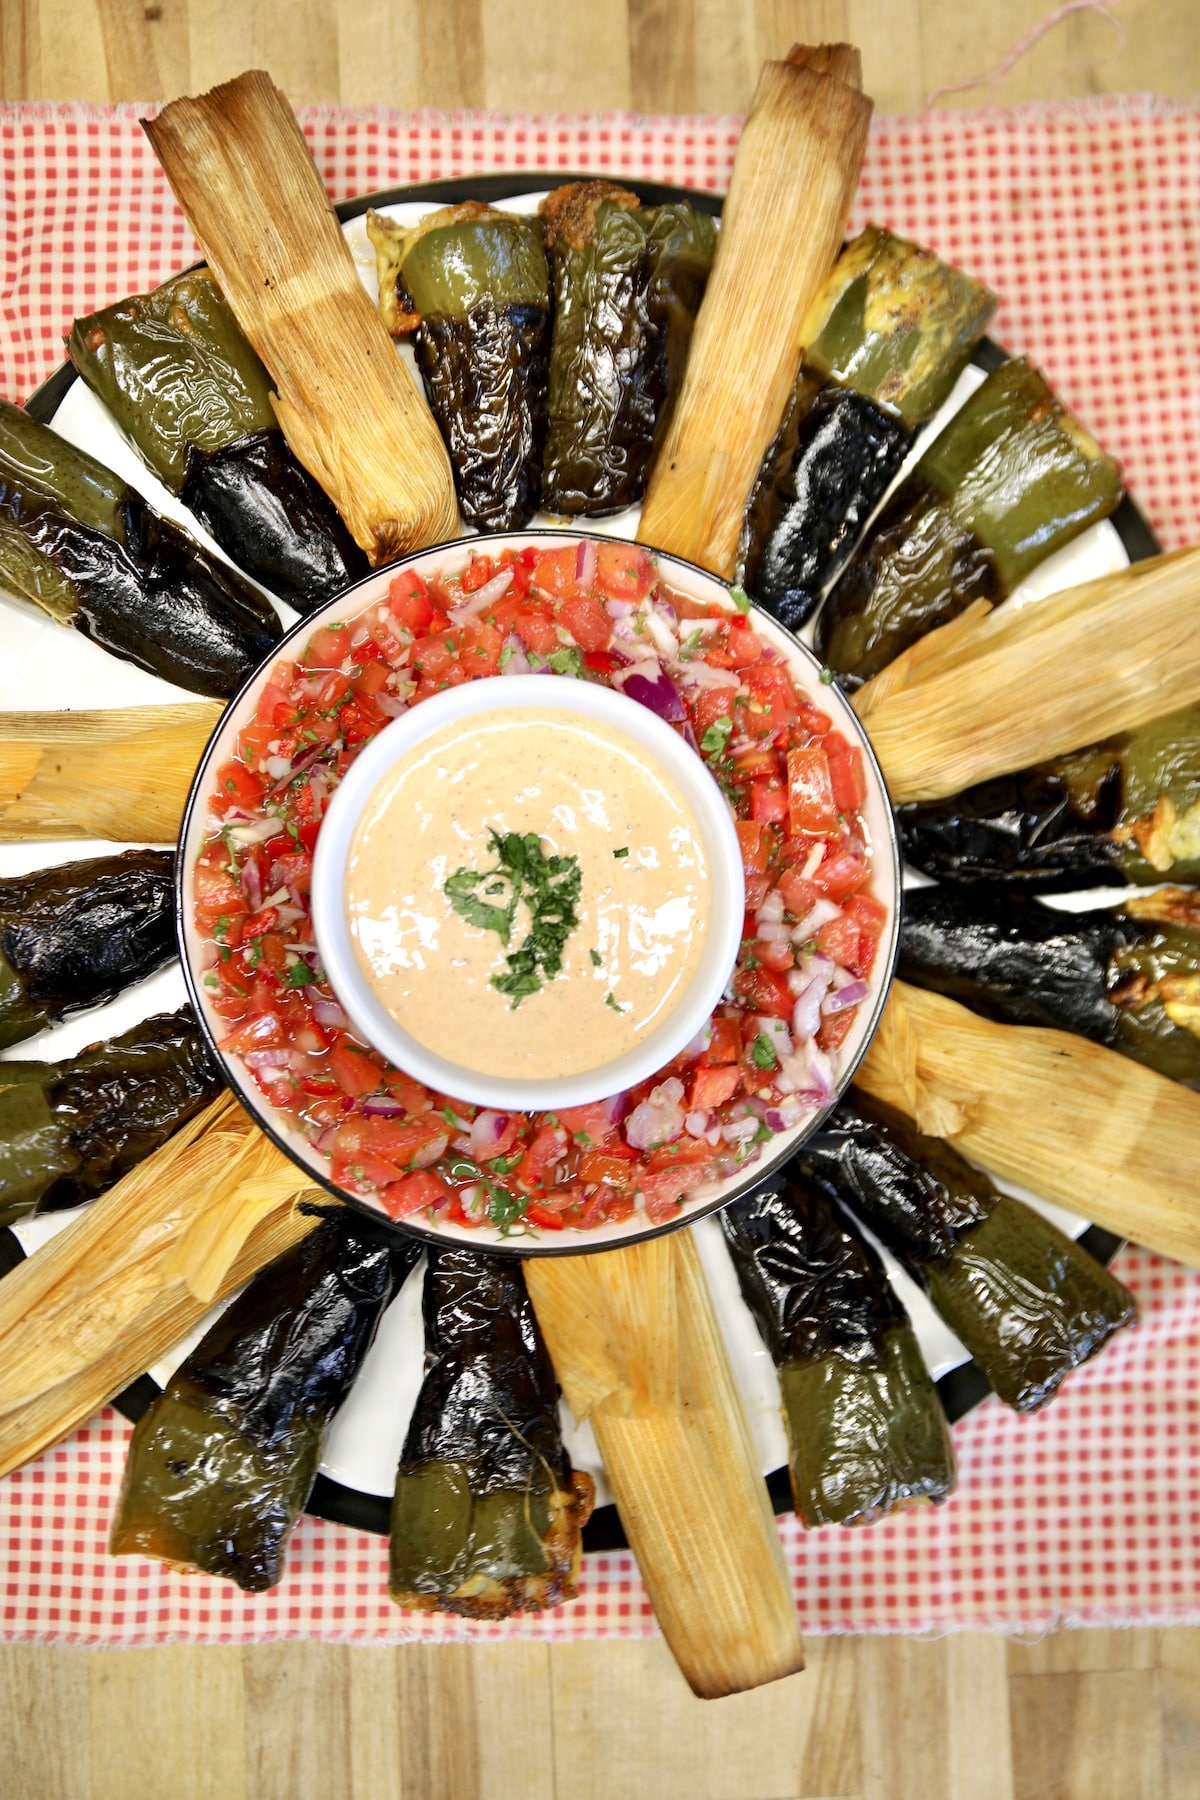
(993, 77)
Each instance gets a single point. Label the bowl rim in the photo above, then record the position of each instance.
(886, 854)
(487, 698)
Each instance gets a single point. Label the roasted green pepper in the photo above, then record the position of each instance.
(1126, 810)
(866, 1430)
(85, 547)
(627, 287)
(1029, 1304)
(70, 1129)
(487, 1512)
(1128, 978)
(884, 341)
(473, 284)
(1013, 477)
(222, 1463)
(73, 936)
(183, 384)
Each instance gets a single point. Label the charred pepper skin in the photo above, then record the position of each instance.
(181, 381)
(69, 1130)
(87, 549)
(222, 1463)
(866, 1429)
(73, 936)
(1029, 1304)
(487, 1511)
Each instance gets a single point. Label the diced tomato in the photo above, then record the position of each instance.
(617, 1170)
(236, 785)
(218, 895)
(538, 1212)
(751, 763)
(539, 630)
(834, 1027)
(477, 574)
(682, 1153)
(593, 1122)
(709, 706)
(415, 1192)
(363, 1171)
(479, 645)
(846, 773)
(397, 1139)
(409, 602)
(544, 1154)
(725, 1044)
(768, 802)
(712, 1087)
(411, 1094)
(601, 662)
(624, 571)
(258, 922)
(799, 895)
(771, 955)
(432, 657)
(811, 807)
(765, 991)
(586, 620)
(327, 647)
(374, 677)
(839, 939)
(661, 1190)
(754, 845)
(263, 1032)
(554, 571)
(840, 873)
(354, 1071)
(871, 917)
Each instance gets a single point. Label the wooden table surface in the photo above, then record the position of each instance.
(1106, 1715)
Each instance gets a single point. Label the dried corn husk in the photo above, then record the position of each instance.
(637, 1349)
(793, 180)
(1073, 1121)
(996, 691)
(242, 173)
(123, 774)
(137, 1270)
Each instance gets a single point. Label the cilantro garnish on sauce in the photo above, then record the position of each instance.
(549, 886)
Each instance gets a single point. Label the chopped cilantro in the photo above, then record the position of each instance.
(826, 677)
(623, 851)
(583, 1139)
(566, 662)
(504, 1165)
(717, 736)
(595, 956)
(549, 886)
(504, 1209)
(609, 1001)
(506, 656)
(762, 1052)
(299, 975)
(740, 599)
(450, 1117)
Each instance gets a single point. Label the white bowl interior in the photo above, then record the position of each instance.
(697, 584)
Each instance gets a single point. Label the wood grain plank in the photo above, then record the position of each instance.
(20, 50)
(796, 1737)
(1179, 1691)
(584, 61)
(409, 55)
(146, 47)
(979, 1747)
(905, 1685)
(44, 1726)
(296, 1700)
(296, 40)
(1085, 1652)
(166, 1721)
(423, 1722)
(1087, 1737)
(72, 63)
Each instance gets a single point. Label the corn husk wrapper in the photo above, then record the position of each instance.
(242, 172)
(636, 1347)
(128, 1278)
(794, 177)
(996, 691)
(1067, 1118)
(122, 775)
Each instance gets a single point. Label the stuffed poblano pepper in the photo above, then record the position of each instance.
(884, 343)
(1127, 977)
(627, 287)
(222, 1463)
(83, 545)
(1013, 477)
(487, 1513)
(473, 285)
(1126, 810)
(866, 1430)
(1029, 1304)
(73, 936)
(184, 385)
(69, 1130)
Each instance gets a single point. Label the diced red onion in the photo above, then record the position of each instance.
(699, 1043)
(660, 633)
(330, 1014)
(324, 1141)
(812, 862)
(741, 1131)
(666, 612)
(845, 997)
(776, 1032)
(267, 1059)
(486, 1131)
(654, 689)
(619, 609)
(772, 908)
(251, 884)
(277, 767)
(823, 912)
(696, 1124)
(659, 1118)
(616, 1106)
(382, 1106)
(428, 1154)
(689, 736)
(391, 704)
(517, 662)
(774, 934)
(713, 1136)
(773, 1119)
(806, 1014)
(701, 674)
(585, 563)
(482, 598)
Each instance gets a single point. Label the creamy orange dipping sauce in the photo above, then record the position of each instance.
(584, 791)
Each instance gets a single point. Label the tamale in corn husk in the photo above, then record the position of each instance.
(242, 172)
(1128, 640)
(122, 774)
(635, 1344)
(793, 181)
(135, 1272)
(1068, 1119)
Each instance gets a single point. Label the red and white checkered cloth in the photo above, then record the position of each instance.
(1084, 218)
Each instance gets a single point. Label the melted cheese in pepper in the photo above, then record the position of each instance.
(584, 791)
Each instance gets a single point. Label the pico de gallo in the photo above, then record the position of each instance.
(589, 612)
